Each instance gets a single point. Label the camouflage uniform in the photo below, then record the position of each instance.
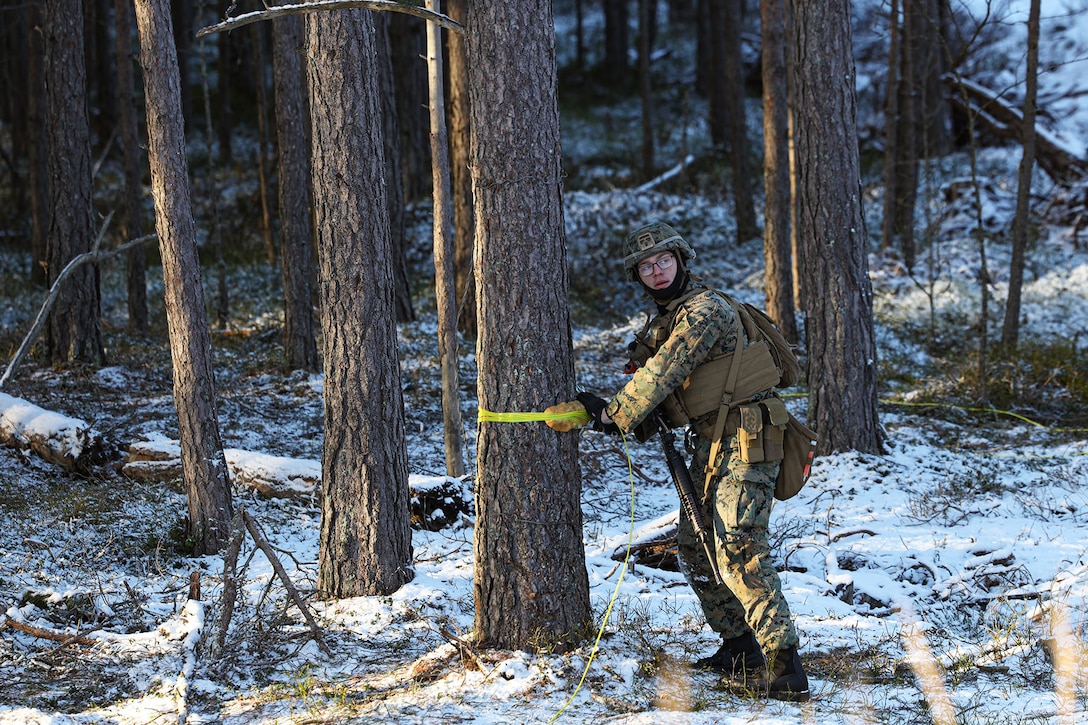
(738, 502)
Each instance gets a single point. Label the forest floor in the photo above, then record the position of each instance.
(965, 540)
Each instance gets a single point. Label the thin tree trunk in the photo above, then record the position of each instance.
(74, 330)
(295, 206)
(133, 165)
(776, 168)
(259, 65)
(736, 115)
(394, 184)
(463, 217)
(207, 481)
(38, 152)
(366, 539)
(444, 287)
(615, 38)
(531, 586)
(645, 91)
(407, 46)
(1010, 334)
(891, 130)
(717, 90)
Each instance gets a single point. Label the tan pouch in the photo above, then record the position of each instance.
(750, 433)
(774, 429)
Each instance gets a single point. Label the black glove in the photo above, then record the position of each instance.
(595, 407)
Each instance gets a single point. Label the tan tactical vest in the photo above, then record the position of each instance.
(698, 400)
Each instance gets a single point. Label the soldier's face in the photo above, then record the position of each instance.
(658, 271)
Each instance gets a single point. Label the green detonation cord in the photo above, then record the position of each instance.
(582, 417)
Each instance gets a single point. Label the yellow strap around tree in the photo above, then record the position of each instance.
(577, 416)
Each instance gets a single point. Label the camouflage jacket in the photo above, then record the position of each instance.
(705, 327)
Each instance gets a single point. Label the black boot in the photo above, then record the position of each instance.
(739, 660)
(788, 680)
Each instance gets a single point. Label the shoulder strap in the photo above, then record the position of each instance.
(712, 469)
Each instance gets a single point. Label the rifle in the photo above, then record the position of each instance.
(685, 489)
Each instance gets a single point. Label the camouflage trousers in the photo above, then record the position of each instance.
(739, 505)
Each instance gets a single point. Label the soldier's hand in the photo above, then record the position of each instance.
(595, 406)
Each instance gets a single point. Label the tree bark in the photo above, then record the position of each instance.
(777, 249)
(842, 370)
(74, 329)
(407, 45)
(133, 165)
(1010, 334)
(365, 541)
(295, 205)
(461, 177)
(207, 483)
(736, 114)
(645, 7)
(394, 183)
(444, 288)
(531, 586)
(38, 151)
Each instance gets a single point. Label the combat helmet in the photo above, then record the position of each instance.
(650, 239)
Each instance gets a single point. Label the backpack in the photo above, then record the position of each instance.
(757, 324)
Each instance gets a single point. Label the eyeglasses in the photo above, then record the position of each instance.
(645, 270)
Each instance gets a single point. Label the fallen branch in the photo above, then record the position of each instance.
(674, 171)
(263, 545)
(51, 634)
(230, 577)
(464, 648)
(1001, 119)
(94, 256)
(284, 10)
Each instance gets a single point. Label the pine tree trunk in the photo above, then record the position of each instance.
(365, 542)
(444, 288)
(776, 168)
(38, 151)
(133, 165)
(615, 39)
(743, 200)
(74, 330)
(258, 67)
(645, 7)
(531, 585)
(460, 177)
(394, 182)
(842, 371)
(207, 481)
(407, 46)
(295, 206)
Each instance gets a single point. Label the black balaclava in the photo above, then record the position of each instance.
(679, 285)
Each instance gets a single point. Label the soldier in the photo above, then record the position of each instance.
(693, 327)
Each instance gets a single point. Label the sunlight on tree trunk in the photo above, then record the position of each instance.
(531, 585)
(366, 539)
(842, 369)
(207, 482)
